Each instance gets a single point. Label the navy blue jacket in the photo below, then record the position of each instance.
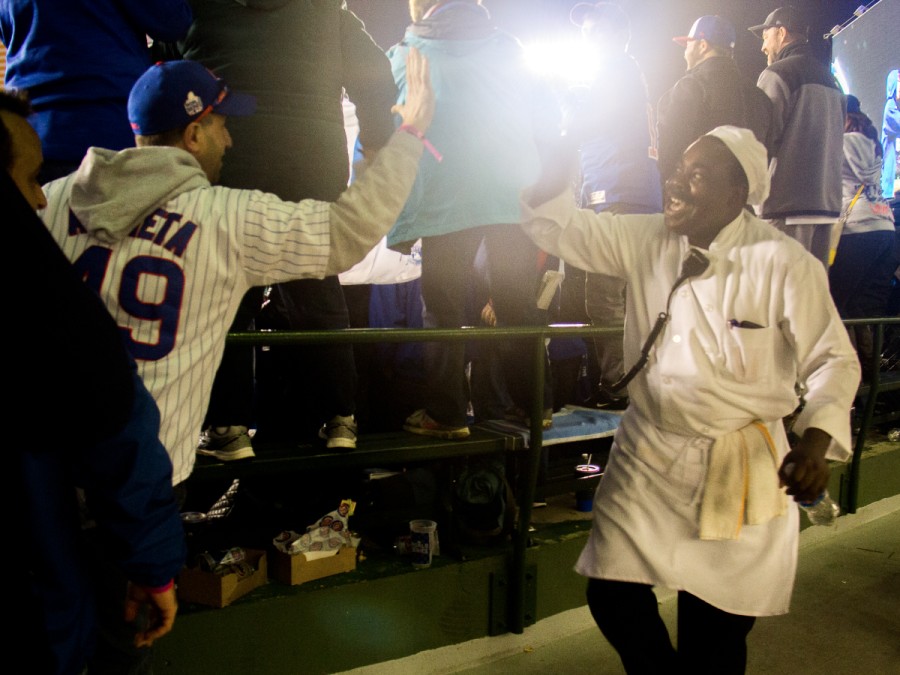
(618, 153)
(78, 61)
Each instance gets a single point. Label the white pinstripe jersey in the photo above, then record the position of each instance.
(174, 281)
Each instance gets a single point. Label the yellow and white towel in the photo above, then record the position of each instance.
(741, 483)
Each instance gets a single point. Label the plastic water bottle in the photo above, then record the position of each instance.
(822, 511)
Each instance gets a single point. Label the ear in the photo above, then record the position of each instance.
(191, 137)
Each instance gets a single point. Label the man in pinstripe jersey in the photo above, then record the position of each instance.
(172, 255)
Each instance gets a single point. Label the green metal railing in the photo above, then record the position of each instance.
(869, 392)
(538, 335)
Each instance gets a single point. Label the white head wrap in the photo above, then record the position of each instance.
(751, 154)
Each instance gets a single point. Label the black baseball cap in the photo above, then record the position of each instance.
(788, 17)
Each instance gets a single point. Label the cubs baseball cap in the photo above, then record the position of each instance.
(788, 17)
(172, 94)
(714, 29)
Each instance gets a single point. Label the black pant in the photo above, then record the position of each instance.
(447, 261)
(709, 639)
(231, 398)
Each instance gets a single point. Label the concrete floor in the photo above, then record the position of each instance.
(845, 618)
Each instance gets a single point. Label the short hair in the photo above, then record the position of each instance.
(16, 102)
(171, 137)
(164, 138)
(720, 50)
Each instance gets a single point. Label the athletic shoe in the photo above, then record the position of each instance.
(339, 433)
(516, 414)
(605, 401)
(227, 444)
(421, 423)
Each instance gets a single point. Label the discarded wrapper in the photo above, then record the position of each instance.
(325, 537)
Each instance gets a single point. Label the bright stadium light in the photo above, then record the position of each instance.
(569, 62)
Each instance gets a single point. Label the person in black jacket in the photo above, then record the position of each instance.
(712, 93)
(807, 132)
(299, 59)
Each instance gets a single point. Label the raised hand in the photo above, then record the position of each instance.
(418, 110)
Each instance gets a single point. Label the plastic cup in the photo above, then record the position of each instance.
(422, 538)
(584, 500)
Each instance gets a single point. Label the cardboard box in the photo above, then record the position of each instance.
(296, 569)
(206, 588)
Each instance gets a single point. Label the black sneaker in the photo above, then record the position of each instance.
(606, 401)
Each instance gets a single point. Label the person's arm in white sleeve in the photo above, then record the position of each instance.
(829, 371)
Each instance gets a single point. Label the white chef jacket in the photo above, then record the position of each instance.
(706, 377)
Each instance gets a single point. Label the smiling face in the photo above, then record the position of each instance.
(706, 192)
(774, 40)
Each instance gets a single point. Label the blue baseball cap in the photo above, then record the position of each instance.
(714, 29)
(172, 94)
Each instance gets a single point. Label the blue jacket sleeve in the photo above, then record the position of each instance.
(127, 482)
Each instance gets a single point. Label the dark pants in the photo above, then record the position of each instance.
(860, 278)
(231, 399)
(709, 640)
(302, 387)
(860, 282)
(447, 262)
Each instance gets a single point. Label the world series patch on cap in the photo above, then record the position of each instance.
(172, 94)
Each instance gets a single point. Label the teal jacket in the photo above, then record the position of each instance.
(489, 112)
